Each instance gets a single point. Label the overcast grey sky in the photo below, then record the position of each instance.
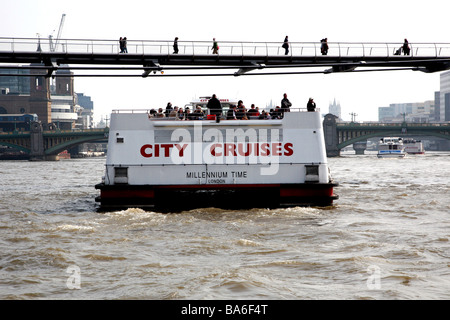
(232, 20)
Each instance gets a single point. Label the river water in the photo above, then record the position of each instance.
(387, 237)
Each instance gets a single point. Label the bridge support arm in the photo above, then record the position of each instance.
(436, 67)
(151, 66)
(52, 66)
(247, 69)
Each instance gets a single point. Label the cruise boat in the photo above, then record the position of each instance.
(413, 146)
(166, 163)
(391, 147)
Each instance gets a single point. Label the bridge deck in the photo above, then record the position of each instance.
(342, 56)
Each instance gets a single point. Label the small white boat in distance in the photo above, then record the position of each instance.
(391, 147)
(413, 146)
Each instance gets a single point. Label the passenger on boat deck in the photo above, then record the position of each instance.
(152, 113)
(311, 105)
(173, 113)
(241, 112)
(197, 114)
(191, 115)
(180, 114)
(277, 113)
(253, 111)
(168, 109)
(231, 113)
(264, 115)
(187, 113)
(214, 106)
(285, 104)
(160, 113)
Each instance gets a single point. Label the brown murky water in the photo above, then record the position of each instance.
(387, 237)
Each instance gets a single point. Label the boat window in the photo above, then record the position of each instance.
(121, 175)
(312, 170)
(312, 173)
(120, 172)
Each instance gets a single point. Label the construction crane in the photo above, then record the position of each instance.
(53, 46)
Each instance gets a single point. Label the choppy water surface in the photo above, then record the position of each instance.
(387, 237)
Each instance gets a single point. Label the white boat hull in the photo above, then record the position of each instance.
(166, 164)
(399, 154)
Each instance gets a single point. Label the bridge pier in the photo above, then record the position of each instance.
(331, 135)
(37, 152)
(360, 146)
(37, 142)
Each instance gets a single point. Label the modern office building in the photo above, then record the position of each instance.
(417, 112)
(437, 106)
(444, 97)
(86, 111)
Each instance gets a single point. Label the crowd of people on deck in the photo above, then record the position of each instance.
(235, 112)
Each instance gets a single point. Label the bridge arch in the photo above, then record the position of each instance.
(71, 143)
(364, 137)
(15, 146)
(339, 135)
(50, 143)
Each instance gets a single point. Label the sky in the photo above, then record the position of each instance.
(249, 20)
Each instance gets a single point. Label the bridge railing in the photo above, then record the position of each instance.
(165, 47)
(77, 131)
(356, 125)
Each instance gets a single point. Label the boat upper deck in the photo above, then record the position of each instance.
(203, 114)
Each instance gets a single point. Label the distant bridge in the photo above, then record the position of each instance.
(152, 57)
(338, 135)
(45, 145)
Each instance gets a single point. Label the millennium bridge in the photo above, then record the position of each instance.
(153, 58)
